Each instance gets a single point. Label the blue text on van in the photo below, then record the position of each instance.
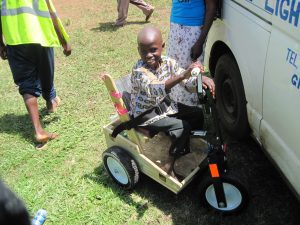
(287, 10)
(296, 81)
(291, 57)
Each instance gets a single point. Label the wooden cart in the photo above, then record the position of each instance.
(134, 151)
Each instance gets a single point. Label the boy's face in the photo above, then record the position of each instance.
(150, 52)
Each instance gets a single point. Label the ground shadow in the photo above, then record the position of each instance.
(110, 27)
(271, 202)
(21, 124)
(101, 177)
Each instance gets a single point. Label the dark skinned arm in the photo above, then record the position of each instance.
(3, 53)
(210, 12)
(177, 79)
(66, 46)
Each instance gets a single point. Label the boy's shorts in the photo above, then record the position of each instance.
(32, 66)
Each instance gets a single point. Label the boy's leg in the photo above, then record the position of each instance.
(46, 76)
(178, 129)
(123, 6)
(23, 60)
(191, 114)
(145, 7)
(31, 104)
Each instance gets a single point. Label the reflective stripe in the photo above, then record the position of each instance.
(214, 170)
(34, 10)
(23, 19)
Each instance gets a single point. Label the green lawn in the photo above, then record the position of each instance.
(67, 178)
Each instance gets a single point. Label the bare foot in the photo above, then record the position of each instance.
(44, 137)
(53, 104)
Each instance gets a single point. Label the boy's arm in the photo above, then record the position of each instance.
(210, 12)
(178, 74)
(66, 46)
(3, 53)
(174, 80)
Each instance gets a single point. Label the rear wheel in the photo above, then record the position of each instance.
(231, 101)
(121, 167)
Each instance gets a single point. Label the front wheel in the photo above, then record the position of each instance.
(236, 194)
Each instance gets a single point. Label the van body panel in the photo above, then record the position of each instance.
(256, 7)
(281, 103)
(284, 157)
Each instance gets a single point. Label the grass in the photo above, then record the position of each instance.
(68, 178)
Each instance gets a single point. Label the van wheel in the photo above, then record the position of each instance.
(236, 194)
(121, 167)
(231, 101)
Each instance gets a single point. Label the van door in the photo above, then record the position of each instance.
(280, 127)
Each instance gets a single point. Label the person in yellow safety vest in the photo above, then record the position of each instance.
(29, 29)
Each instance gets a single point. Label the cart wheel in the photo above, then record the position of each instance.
(236, 194)
(121, 167)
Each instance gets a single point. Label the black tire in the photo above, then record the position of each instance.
(230, 97)
(236, 194)
(121, 167)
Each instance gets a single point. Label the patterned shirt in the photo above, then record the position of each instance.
(148, 88)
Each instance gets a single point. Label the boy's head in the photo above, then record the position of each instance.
(150, 46)
(12, 209)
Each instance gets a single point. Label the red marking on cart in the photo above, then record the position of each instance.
(214, 170)
(120, 109)
(116, 94)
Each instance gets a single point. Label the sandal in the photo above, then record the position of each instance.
(149, 15)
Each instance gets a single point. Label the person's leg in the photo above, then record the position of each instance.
(191, 114)
(145, 7)
(31, 104)
(123, 6)
(23, 63)
(46, 76)
(179, 130)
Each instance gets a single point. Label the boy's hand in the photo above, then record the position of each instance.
(208, 83)
(3, 52)
(67, 49)
(191, 67)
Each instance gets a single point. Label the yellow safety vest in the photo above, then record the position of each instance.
(29, 21)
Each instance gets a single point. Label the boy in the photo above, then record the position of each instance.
(154, 78)
(12, 209)
(29, 50)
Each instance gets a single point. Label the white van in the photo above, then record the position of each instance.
(253, 52)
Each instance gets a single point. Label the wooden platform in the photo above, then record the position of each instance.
(157, 150)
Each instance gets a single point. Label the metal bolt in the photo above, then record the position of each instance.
(221, 204)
